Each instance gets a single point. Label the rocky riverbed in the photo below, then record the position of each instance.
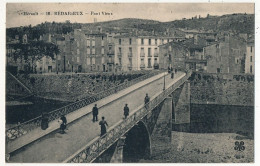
(204, 148)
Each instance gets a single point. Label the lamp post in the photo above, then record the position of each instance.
(164, 73)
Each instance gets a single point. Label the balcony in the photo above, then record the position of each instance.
(130, 54)
(142, 66)
(119, 55)
(110, 53)
(156, 54)
(130, 66)
(142, 54)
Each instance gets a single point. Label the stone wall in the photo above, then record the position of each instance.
(223, 89)
(75, 86)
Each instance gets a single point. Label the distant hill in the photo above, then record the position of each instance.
(241, 23)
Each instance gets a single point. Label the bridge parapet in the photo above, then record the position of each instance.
(28, 126)
(100, 144)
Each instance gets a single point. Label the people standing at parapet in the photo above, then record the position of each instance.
(64, 121)
(126, 111)
(95, 113)
(103, 125)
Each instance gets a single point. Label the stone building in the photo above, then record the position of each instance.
(250, 57)
(184, 54)
(226, 56)
(138, 52)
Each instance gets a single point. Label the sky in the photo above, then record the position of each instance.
(155, 11)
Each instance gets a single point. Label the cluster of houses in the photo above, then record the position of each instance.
(94, 50)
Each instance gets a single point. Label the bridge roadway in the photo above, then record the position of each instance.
(56, 147)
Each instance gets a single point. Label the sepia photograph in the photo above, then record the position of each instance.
(129, 82)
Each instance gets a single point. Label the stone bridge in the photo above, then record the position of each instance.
(82, 143)
(136, 137)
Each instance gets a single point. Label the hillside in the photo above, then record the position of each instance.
(241, 23)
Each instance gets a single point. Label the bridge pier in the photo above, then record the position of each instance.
(161, 134)
(181, 109)
(118, 154)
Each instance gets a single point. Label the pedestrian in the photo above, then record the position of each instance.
(175, 70)
(169, 69)
(62, 127)
(95, 113)
(172, 75)
(146, 100)
(126, 111)
(64, 121)
(103, 125)
(44, 122)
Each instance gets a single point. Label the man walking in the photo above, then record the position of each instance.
(95, 113)
(126, 111)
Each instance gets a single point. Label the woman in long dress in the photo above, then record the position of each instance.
(103, 125)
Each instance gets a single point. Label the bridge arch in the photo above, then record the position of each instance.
(137, 143)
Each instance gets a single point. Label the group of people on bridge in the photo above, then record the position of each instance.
(170, 70)
(103, 123)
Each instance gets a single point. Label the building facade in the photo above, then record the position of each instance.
(250, 58)
(138, 52)
(227, 56)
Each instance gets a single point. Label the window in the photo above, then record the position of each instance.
(251, 59)
(251, 48)
(102, 38)
(149, 41)
(155, 60)
(88, 61)
(77, 59)
(109, 39)
(120, 50)
(218, 70)
(251, 69)
(130, 41)
(93, 51)
(120, 61)
(88, 42)
(88, 51)
(78, 51)
(155, 41)
(130, 50)
(93, 61)
(149, 52)
(162, 41)
(77, 43)
(102, 51)
(119, 41)
(93, 43)
(142, 41)
(142, 51)
(142, 61)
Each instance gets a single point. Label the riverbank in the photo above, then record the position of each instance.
(203, 148)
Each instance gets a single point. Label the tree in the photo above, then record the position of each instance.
(33, 51)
